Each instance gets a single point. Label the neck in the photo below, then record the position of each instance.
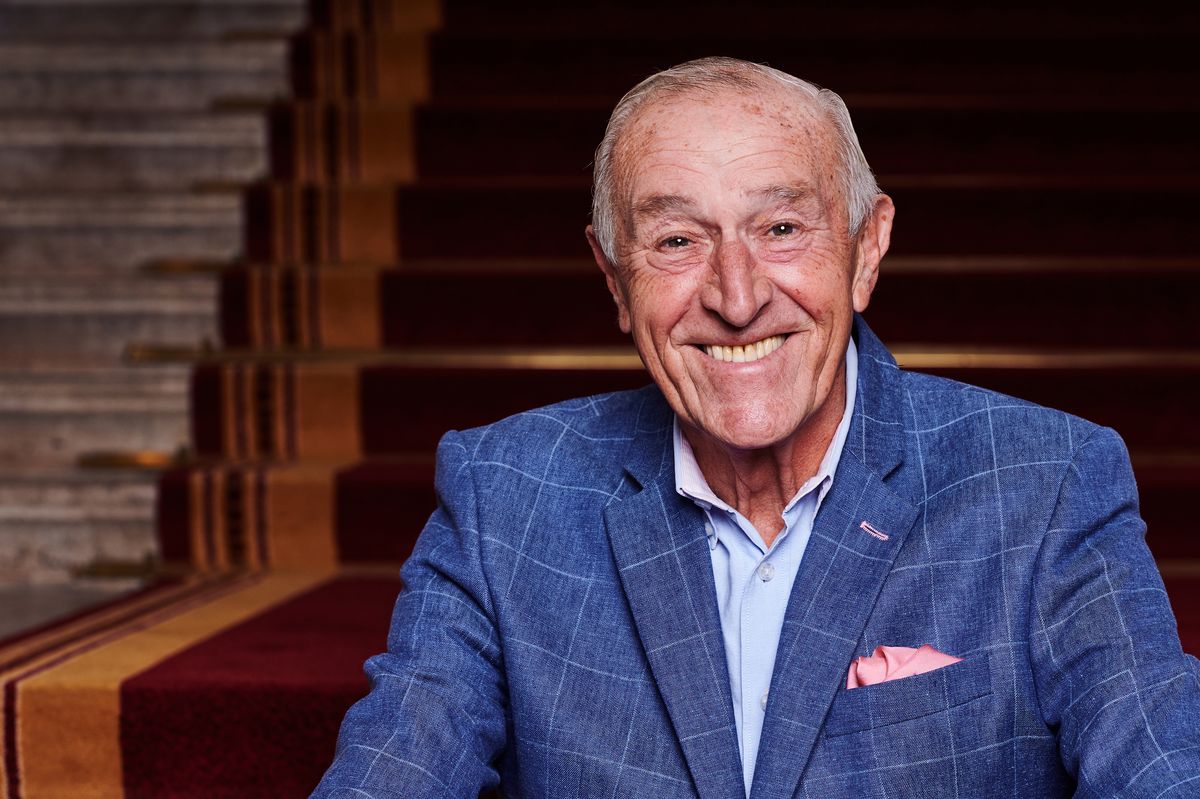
(759, 483)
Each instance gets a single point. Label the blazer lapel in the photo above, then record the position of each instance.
(857, 534)
(665, 568)
(842, 572)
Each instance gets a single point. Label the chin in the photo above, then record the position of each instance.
(750, 430)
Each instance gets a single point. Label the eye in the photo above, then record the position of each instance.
(782, 229)
(675, 242)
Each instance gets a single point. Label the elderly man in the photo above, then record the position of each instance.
(788, 567)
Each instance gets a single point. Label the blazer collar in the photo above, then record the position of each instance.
(877, 436)
(662, 555)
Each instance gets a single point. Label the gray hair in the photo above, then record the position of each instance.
(858, 185)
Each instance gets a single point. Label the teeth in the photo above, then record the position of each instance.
(750, 352)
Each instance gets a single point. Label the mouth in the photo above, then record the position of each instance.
(746, 353)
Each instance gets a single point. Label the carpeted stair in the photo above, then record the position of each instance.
(415, 262)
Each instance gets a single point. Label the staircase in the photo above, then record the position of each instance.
(109, 127)
(415, 262)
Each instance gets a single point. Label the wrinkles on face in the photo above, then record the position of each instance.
(734, 243)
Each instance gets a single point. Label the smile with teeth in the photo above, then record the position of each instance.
(744, 354)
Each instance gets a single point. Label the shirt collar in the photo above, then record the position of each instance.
(690, 481)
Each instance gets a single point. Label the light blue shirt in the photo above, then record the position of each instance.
(754, 581)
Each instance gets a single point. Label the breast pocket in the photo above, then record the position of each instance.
(887, 703)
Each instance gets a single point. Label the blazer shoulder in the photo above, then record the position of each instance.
(957, 411)
(600, 426)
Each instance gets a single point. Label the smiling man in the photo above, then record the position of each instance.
(787, 567)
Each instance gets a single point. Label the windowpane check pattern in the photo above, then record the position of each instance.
(558, 635)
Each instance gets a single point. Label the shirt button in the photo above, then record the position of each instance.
(762, 701)
(765, 572)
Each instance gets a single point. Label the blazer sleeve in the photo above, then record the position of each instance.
(433, 724)
(1110, 673)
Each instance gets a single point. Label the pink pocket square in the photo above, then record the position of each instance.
(894, 662)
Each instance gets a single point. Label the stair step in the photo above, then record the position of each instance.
(87, 322)
(128, 151)
(579, 64)
(237, 656)
(352, 141)
(936, 215)
(264, 407)
(51, 418)
(339, 307)
(267, 658)
(583, 65)
(371, 510)
(162, 75)
(22, 20)
(462, 141)
(106, 233)
(393, 15)
(56, 521)
(34, 605)
(634, 18)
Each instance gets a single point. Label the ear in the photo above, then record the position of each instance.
(873, 240)
(615, 288)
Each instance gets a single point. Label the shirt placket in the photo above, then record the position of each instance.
(759, 596)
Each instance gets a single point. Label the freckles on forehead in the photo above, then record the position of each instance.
(703, 145)
(703, 132)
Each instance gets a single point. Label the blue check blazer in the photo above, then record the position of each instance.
(558, 635)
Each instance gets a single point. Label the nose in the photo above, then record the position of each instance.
(737, 291)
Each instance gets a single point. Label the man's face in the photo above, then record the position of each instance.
(736, 274)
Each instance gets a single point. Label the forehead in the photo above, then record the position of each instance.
(730, 140)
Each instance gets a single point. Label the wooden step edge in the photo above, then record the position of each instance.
(424, 459)
(909, 356)
(604, 358)
(932, 356)
(130, 460)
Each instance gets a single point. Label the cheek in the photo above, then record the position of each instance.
(822, 287)
(658, 301)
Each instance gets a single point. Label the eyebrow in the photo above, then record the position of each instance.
(785, 194)
(660, 204)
